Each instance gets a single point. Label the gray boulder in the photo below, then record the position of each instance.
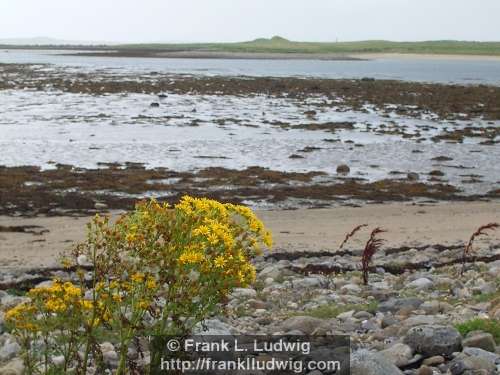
(399, 354)
(304, 324)
(480, 340)
(241, 293)
(431, 340)
(395, 304)
(9, 350)
(421, 284)
(364, 362)
(14, 367)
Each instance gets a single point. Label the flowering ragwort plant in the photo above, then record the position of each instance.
(156, 271)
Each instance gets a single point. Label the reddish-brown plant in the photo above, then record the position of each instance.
(481, 231)
(352, 233)
(372, 245)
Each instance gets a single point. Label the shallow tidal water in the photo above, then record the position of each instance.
(452, 70)
(191, 132)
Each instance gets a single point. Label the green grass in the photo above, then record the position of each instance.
(487, 297)
(332, 310)
(485, 325)
(281, 45)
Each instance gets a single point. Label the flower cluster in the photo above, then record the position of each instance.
(158, 270)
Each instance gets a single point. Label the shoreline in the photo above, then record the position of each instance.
(221, 55)
(230, 55)
(425, 56)
(303, 230)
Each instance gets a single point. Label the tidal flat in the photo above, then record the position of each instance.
(73, 140)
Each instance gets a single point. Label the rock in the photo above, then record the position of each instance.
(240, 293)
(304, 324)
(8, 301)
(430, 307)
(256, 304)
(109, 354)
(412, 176)
(480, 340)
(476, 352)
(154, 105)
(57, 360)
(437, 173)
(82, 260)
(343, 169)
(435, 307)
(307, 282)
(421, 284)
(396, 304)
(432, 340)
(346, 315)
(388, 320)
(370, 325)
(362, 315)
(434, 361)
(425, 370)
(485, 288)
(9, 350)
(100, 206)
(420, 320)
(462, 364)
(399, 354)
(270, 271)
(14, 367)
(364, 362)
(350, 289)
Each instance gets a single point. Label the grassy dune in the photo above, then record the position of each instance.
(281, 45)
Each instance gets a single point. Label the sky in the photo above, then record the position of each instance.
(239, 20)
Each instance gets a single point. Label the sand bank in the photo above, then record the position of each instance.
(295, 230)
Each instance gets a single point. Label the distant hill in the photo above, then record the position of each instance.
(278, 44)
(44, 41)
(275, 44)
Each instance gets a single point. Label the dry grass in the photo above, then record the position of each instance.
(372, 245)
(351, 234)
(481, 231)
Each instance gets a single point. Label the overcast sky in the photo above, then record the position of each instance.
(237, 20)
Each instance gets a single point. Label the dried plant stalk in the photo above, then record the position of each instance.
(371, 247)
(481, 231)
(351, 234)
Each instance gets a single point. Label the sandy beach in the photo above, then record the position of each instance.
(293, 230)
(423, 56)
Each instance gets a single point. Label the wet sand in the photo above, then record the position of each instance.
(200, 54)
(295, 230)
(423, 56)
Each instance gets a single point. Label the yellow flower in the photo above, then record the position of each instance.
(220, 262)
(213, 239)
(137, 277)
(142, 305)
(87, 305)
(114, 284)
(55, 305)
(19, 311)
(151, 283)
(191, 257)
(201, 231)
(268, 239)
